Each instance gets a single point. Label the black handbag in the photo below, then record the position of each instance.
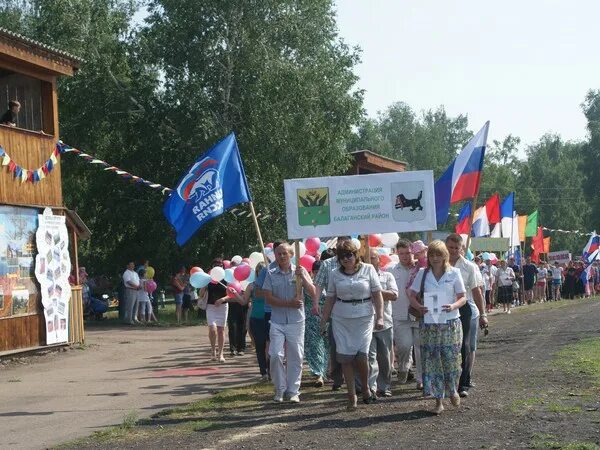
(416, 313)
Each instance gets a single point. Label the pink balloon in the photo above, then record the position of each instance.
(242, 272)
(235, 285)
(270, 245)
(312, 244)
(195, 269)
(307, 262)
(384, 260)
(374, 240)
(246, 260)
(226, 264)
(150, 286)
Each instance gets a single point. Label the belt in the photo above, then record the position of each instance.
(360, 300)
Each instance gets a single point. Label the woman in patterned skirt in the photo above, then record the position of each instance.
(440, 329)
(316, 347)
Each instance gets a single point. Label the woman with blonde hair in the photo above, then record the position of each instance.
(440, 329)
(353, 292)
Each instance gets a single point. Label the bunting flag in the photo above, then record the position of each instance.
(547, 245)
(464, 219)
(532, 224)
(461, 179)
(537, 245)
(36, 175)
(481, 226)
(492, 209)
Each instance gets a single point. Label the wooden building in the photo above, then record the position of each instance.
(366, 162)
(28, 74)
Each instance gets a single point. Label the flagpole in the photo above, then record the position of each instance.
(260, 239)
(472, 216)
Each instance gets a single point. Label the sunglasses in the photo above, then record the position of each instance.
(347, 255)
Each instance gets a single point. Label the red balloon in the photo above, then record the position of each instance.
(384, 260)
(226, 264)
(195, 269)
(235, 285)
(312, 244)
(374, 240)
(242, 272)
(307, 262)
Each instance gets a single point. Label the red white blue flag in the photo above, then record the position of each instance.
(461, 179)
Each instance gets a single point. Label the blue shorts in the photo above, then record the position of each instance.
(556, 282)
(474, 332)
(179, 298)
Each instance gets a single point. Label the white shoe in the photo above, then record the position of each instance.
(295, 399)
(278, 398)
(508, 312)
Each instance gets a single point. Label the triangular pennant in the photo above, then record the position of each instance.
(24, 176)
(53, 158)
(5, 160)
(41, 174)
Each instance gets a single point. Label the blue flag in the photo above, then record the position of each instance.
(214, 183)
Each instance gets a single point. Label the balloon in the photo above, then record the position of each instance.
(226, 264)
(150, 272)
(356, 242)
(302, 249)
(193, 270)
(255, 258)
(150, 286)
(251, 278)
(384, 260)
(237, 259)
(307, 262)
(485, 256)
(200, 279)
(312, 244)
(270, 245)
(246, 261)
(374, 240)
(390, 239)
(383, 251)
(242, 272)
(229, 275)
(395, 259)
(235, 285)
(216, 273)
(322, 247)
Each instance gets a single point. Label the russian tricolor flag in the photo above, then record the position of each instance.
(461, 179)
(592, 245)
(464, 220)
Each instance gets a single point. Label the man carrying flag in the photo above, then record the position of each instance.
(214, 183)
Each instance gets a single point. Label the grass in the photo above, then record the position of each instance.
(518, 406)
(536, 307)
(166, 318)
(582, 358)
(560, 408)
(550, 441)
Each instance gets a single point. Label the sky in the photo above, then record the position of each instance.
(524, 65)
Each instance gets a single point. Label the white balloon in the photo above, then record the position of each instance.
(302, 249)
(255, 258)
(395, 258)
(237, 259)
(390, 239)
(356, 242)
(217, 273)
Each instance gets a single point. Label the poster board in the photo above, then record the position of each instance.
(360, 204)
(487, 244)
(52, 270)
(562, 256)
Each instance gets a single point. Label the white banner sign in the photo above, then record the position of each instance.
(562, 257)
(360, 204)
(52, 269)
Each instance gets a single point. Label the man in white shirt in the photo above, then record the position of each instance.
(406, 328)
(380, 367)
(131, 280)
(473, 308)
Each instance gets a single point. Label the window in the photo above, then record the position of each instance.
(28, 92)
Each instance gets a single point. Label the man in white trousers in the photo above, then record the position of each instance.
(287, 323)
(406, 328)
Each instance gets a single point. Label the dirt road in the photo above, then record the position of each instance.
(522, 399)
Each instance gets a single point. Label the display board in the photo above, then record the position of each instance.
(52, 270)
(360, 204)
(562, 256)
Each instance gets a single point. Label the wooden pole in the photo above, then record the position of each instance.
(473, 203)
(258, 233)
(429, 237)
(298, 279)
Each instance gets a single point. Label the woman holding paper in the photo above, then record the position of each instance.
(438, 292)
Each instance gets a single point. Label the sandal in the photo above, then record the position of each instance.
(370, 400)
